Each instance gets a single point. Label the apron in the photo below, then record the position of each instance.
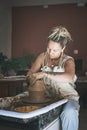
(59, 89)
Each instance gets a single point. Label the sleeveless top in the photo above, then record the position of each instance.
(59, 89)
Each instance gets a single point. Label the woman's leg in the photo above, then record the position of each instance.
(69, 116)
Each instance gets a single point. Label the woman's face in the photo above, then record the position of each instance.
(54, 49)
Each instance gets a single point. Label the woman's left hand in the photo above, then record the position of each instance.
(39, 75)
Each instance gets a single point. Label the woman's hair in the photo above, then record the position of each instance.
(60, 35)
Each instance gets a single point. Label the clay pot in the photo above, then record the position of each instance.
(37, 93)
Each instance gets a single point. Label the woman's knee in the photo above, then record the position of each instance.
(70, 109)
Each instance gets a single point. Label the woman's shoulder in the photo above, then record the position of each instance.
(41, 55)
(67, 57)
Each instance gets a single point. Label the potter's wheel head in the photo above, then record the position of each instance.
(25, 109)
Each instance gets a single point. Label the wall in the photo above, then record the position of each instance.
(31, 25)
(5, 28)
(44, 2)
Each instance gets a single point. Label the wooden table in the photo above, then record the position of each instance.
(12, 85)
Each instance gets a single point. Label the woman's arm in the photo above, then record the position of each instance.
(66, 76)
(36, 65)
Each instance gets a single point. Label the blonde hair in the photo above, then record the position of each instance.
(60, 35)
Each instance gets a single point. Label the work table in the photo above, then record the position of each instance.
(11, 85)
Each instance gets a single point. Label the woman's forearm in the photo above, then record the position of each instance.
(61, 77)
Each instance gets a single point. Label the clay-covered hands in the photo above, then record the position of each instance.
(30, 77)
(33, 77)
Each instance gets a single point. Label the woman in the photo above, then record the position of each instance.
(57, 70)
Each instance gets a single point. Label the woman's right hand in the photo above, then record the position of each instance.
(30, 77)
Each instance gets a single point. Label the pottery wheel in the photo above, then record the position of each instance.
(36, 100)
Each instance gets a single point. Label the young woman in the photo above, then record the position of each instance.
(57, 70)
